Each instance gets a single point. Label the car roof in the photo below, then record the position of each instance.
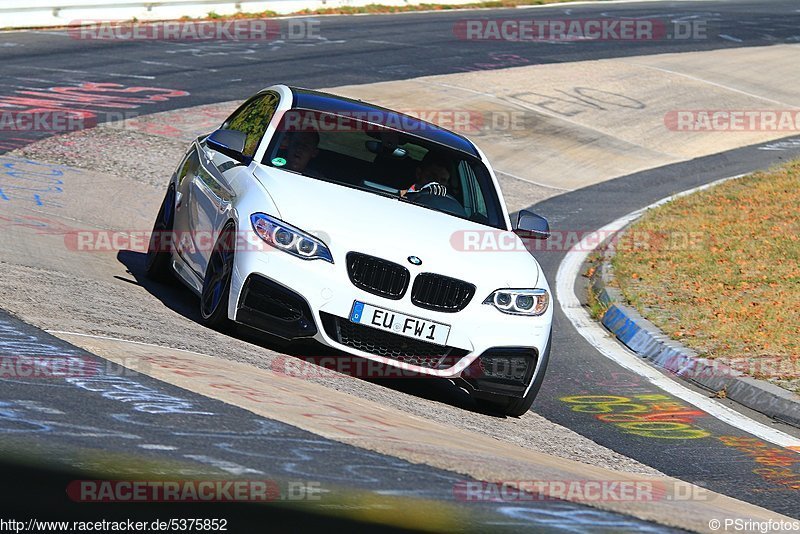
(326, 102)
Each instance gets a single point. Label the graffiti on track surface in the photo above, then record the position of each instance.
(648, 415)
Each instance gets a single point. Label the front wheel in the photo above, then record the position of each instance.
(217, 283)
(158, 261)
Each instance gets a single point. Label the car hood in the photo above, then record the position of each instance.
(349, 219)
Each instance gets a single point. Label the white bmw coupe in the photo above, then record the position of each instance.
(308, 215)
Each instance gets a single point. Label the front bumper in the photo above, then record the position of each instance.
(270, 307)
(322, 296)
(503, 371)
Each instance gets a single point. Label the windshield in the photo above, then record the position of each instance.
(386, 162)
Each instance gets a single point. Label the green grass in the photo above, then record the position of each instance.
(720, 271)
(596, 308)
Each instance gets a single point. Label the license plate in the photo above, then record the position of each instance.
(399, 323)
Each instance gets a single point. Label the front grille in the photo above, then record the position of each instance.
(388, 345)
(441, 293)
(377, 276)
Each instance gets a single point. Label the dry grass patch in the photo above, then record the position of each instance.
(381, 8)
(720, 271)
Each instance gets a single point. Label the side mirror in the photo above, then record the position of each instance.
(229, 142)
(532, 226)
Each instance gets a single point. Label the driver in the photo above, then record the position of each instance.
(301, 150)
(432, 176)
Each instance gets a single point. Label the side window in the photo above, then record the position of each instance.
(253, 118)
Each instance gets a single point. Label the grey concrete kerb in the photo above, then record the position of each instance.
(649, 342)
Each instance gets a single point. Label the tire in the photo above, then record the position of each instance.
(217, 283)
(158, 262)
(518, 406)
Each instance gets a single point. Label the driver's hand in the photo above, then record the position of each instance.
(434, 188)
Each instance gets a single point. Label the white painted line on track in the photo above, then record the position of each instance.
(730, 38)
(713, 84)
(157, 447)
(601, 339)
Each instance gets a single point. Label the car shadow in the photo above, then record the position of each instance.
(312, 358)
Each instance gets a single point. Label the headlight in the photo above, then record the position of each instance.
(289, 239)
(520, 301)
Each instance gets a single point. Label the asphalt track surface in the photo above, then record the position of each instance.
(139, 428)
(381, 48)
(354, 50)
